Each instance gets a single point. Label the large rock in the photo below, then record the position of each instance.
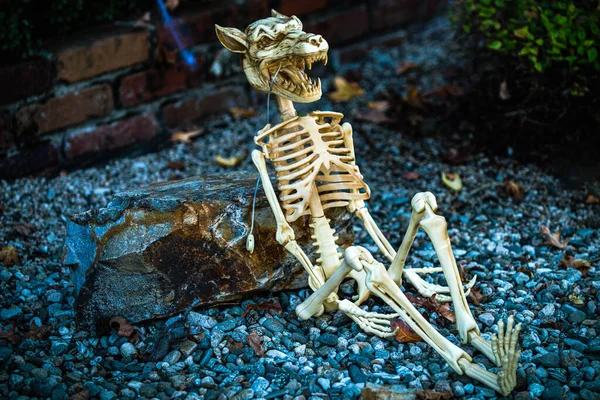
(155, 250)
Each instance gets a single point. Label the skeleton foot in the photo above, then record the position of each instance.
(504, 348)
(427, 289)
(370, 322)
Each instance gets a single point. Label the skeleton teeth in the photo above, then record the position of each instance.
(325, 62)
(319, 83)
(304, 89)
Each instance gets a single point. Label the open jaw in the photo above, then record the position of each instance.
(292, 81)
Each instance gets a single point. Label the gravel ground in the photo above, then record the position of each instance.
(494, 237)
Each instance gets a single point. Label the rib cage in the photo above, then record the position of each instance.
(309, 152)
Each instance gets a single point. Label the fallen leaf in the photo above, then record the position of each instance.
(345, 90)
(576, 299)
(406, 67)
(476, 296)
(229, 161)
(255, 342)
(239, 112)
(186, 137)
(553, 239)
(377, 113)
(175, 165)
(453, 181)
(37, 332)
(431, 303)
(514, 190)
(2, 208)
(579, 264)
(591, 199)
(9, 256)
(171, 4)
(411, 176)
(83, 395)
(24, 229)
(267, 305)
(122, 326)
(462, 273)
(503, 92)
(445, 90)
(9, 335)
(413, 98)
(454, 157)
(233, 345)
(404, 333)
(143, 21)
(429, 394)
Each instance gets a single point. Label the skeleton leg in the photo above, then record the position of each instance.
(419, 203)
(436, 228)
(381, 284)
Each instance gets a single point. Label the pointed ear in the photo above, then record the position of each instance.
(298, 21)
(233, 39)
(277, 15)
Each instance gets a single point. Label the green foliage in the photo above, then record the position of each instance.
(545, 34)
(27, 24)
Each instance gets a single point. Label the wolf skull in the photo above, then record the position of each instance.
(275, 54)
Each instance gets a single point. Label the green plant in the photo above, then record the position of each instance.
(547, 34)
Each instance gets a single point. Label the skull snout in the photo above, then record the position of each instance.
(315, 40)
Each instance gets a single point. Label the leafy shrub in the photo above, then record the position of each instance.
(551, 33)
(26, 25)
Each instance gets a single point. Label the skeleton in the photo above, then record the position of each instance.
(314, 161)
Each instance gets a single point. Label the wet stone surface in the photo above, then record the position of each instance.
(153, 251)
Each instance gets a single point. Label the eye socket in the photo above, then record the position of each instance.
(265, 41)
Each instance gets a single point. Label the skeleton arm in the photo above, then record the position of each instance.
(285, 234)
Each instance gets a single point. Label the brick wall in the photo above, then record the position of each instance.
(116, 88)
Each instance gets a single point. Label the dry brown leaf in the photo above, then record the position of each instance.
(9, 256)
(83, 395)
(24, 229)
(503, 92)
(445, 90)
(255, 342)
(429, 394)
(591, 199)
(404, 333)
(345, 90)
(453, 181)
(186, 137)
(228, 161)
(2, 208)
(10, 335)
(413, 98)
(514, 190)
(239, 112)
(406, 67)
(37, 332)
(267, 305)
(411, 176)
(476, 296)
(175, 166)
(122, 326)
(579, 264)
(553, 239)
(454, 157)
(431, 303)
(377, 113)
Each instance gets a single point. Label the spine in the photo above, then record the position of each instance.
(324, 236)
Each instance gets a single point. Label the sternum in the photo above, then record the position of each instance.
(324, 236)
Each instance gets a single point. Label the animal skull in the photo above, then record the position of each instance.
(277, 47)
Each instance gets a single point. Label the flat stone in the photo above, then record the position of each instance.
(154, 250)
(373, 391)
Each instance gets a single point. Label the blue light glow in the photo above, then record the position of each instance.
(186, 54)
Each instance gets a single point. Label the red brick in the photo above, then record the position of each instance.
(70, 109)
(387, 14)
(341, 26)
(29, 161)
(197, 108)
(98, 55)
(295, 7)
(25, 79)
(91, 142)
(151, 84)
(6, 139)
